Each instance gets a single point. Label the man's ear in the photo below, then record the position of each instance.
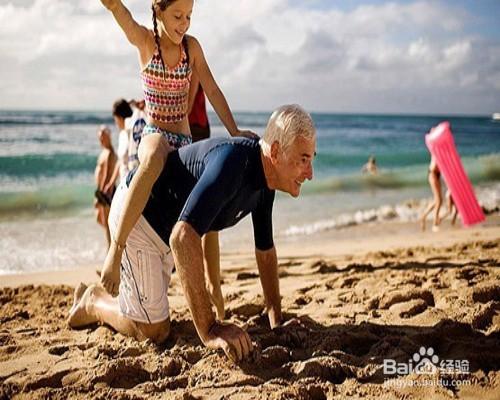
(275, 150)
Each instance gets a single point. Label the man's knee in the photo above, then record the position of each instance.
(157, 332)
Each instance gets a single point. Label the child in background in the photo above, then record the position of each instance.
(121, 111)
(135, 125)
(167, 57)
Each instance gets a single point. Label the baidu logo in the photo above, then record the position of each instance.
(425, 361)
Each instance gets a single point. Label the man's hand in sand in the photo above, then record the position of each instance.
(232, 339)
(110, 275)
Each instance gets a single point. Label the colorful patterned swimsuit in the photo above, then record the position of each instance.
(166, 92)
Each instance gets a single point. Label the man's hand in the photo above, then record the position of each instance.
(110, 275)
(232, 339)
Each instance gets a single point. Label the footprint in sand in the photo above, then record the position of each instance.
(48, 380)
(409, 309)
(122, 373)
(486, 293)
(401, 296)
(487, 318)
(327, 368)
(131, 351)
(169, 367)
(470, 273)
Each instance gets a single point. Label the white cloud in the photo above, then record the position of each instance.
(378, 58)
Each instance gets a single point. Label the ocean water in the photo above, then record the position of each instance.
(47, 161)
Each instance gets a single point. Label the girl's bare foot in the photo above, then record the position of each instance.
(79, 291)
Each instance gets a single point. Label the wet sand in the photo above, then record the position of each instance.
(361, 301)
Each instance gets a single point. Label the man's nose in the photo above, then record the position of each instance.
(309, 171)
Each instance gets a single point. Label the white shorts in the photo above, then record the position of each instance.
(146, 268)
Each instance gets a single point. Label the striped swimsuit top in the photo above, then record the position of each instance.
(166, 92)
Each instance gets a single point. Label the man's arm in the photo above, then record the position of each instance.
(220, 180)
(186, 247)
(267, 263)
(188, 256)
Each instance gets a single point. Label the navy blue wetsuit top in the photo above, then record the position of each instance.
(213, 184)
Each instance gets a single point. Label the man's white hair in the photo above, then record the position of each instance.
(286, 124)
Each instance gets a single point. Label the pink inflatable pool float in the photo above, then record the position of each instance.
(440, 143)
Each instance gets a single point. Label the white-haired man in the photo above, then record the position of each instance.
(206, 186)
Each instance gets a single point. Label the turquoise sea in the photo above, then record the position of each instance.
(47, 161)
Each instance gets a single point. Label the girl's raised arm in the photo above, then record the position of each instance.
(136, 33)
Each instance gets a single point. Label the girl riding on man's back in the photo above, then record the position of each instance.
(168, 57)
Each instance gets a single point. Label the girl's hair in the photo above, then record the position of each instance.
(162, 6)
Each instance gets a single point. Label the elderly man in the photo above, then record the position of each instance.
(207, 186)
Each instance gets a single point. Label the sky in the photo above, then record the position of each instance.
(343, 56)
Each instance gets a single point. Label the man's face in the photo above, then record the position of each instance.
(294, 164)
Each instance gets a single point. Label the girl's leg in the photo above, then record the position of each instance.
(211, 262)
(438, 200)
(153, 151)
(427, 211)
(451, 209)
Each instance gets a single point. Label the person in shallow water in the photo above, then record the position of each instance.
(204, 187)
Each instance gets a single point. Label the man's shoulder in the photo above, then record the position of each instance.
(237, 143)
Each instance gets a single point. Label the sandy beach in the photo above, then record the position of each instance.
(368, 295)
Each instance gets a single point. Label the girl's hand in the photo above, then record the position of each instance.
(247, 134)
(110, 4)
(110, 275)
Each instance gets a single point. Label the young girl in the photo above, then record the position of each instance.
(167, 57)
(434, 178)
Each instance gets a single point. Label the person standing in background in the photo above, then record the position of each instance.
(121, 111)
(103, 173)
(135, 125)
(434, 178)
